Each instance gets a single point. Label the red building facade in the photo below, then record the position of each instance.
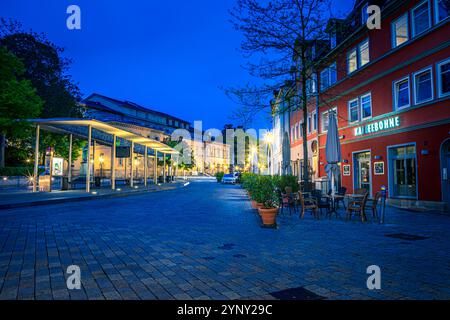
(390, 88)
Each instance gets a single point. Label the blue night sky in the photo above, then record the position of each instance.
(170, 56)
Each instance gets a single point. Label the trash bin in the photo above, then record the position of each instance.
(97, 182)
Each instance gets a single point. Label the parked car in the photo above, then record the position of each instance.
(229, 178)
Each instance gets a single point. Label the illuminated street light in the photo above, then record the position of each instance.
(268, 138)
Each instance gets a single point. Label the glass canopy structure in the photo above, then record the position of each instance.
(106, 134)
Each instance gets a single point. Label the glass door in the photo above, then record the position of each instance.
(361, 165)
(403, 176)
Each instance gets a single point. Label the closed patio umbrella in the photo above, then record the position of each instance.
(332, 150)
(286, 155)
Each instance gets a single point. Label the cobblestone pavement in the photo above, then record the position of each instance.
(205, 242)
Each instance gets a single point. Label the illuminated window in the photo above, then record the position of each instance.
(400, 31)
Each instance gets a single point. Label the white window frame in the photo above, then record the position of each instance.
(322, 118)
(357, 50)
(439, 78)
(357, 110)
(327, 76)
(332, 67)
(413, 27)
(394, 93)
(436, 13)
(359, 53)
(348, 60)
(308, 123)
(361, 107)
(328, 71)
(430, 69)
(314, 121)
(394, 31)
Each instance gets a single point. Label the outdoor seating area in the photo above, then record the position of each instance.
(285, 196)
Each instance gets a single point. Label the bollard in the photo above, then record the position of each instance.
(383, 203)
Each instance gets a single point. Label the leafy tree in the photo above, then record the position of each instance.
(283, 41)
(18, 101)
(47, 70)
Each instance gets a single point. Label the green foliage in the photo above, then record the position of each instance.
(42, 89)
(18, 98)
(219, 176)
(265, 192)
(248, 181)
(45, 67)
(282, 182)
(61, 145)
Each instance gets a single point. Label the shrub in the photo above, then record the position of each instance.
(248, 181)
(265, 192)
(282, 182)
(219, 176)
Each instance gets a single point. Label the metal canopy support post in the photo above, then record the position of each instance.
(164, 168)
(155, 167)
(132, 164)
(113, 163)
(88, 161)
(36, 160)
(145, 165)
(69, 170)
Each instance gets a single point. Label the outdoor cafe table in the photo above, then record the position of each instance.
(334, 200)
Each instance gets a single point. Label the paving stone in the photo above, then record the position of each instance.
(208, 244)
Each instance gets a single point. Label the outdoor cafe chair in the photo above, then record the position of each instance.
(323, 202)
(357, 206)
(286, 201)
(307, 204)
(373, 204)
(361, 191)
(341, 192)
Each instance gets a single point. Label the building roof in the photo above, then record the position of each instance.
(61, 124)
(134, 106)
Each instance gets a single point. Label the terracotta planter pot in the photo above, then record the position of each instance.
(253, 202)
(268, 216)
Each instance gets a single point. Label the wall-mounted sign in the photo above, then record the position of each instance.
(57, 167)
(378, 168)
(378, 126)
(346, 169)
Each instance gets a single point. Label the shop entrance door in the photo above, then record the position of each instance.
(362, 171)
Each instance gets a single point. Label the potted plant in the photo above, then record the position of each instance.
(265, 194)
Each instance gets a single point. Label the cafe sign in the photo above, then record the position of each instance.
(378, 126)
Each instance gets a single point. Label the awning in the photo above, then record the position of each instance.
(63, 125)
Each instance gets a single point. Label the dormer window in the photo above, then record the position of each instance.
(364, 14)
(333, 40)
